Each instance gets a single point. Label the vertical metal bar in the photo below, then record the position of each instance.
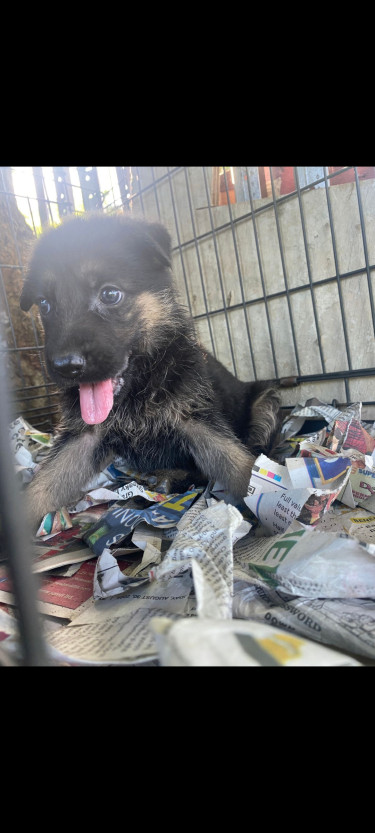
(20, 265)
(365, 249)
(16, 545)
(39, 186)
(257, 246)
(124, 184)
(239, 274)
(36, 222)
(12, 330)
(180, 248)
(48, 207)
(38, 343)
(9, 210)
(154, 182)
(284, 272)
(88, 178)
(334, 247)
(198, 255)
(241, 183)
(138, 176)
(307, 256)
(220, 276)
(64, 191)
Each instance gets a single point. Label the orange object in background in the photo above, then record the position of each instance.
(284, 181)
(223, 195)
(348, 176)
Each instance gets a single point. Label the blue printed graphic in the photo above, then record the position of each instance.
(325, 469)
(120, 521)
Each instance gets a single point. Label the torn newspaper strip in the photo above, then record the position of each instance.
(302, 489)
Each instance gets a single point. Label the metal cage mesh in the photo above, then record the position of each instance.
(276, 266)
(278, 276)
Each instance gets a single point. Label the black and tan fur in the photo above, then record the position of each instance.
(176, 406)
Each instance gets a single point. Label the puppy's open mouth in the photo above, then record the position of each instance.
(96, 398)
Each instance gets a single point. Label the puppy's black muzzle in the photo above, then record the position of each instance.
(69, 366)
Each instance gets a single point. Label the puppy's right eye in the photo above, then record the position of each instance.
(110, 295)
(44, 306)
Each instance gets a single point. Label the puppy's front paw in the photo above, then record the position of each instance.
(37, 504)
(265, 422)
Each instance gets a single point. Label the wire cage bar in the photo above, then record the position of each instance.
(277, 278)
(276, 266)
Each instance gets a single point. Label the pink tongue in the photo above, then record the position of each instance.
(96, 401)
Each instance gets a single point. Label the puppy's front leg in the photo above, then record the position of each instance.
(219, 455)
(67, 469)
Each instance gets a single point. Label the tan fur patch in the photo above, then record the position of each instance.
(150, 309)
(221, 457)
(62, 477)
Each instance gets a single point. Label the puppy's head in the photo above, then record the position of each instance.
(99, 282)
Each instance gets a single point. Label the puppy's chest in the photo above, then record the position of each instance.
(146, 441)
(137, 423)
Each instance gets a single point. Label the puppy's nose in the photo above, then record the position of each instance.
(70, 366)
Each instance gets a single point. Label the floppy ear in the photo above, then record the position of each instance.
(28, 296)
(161, 243)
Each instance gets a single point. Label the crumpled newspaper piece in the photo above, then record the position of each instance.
(304, 488)
(218, 642)
(313, 564)
(205, 543)
(26, 443)
(118, 523)
(346, 624)
(315, 409)
(341, 466)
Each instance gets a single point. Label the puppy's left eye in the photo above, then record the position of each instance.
(44, 306)
(110, 295)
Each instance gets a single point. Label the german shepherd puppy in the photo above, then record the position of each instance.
(134, 379)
